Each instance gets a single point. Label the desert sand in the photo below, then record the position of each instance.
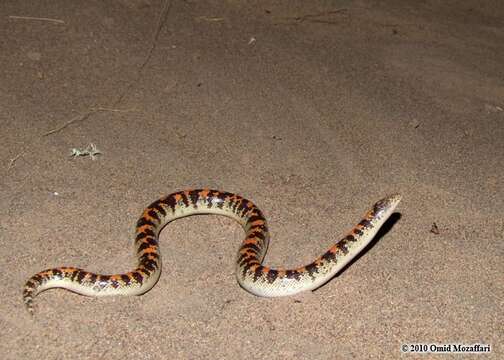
(313, 110)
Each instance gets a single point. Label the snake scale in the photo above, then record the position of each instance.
(251, 274)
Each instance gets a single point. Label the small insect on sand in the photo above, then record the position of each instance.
(91, 150)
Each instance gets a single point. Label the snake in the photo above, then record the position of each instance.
(251, 274)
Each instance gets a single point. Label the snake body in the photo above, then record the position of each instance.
(251, 274)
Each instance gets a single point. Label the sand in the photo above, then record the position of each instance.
(314, 110)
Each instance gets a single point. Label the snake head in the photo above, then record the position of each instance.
(386, 206)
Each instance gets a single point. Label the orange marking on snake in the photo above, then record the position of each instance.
(254, 267)
(148, 217)
(333, 249)
(149, 250)
(144, 227)
(253, 241)
(204, 193)
(257, 222)
(246, 251)
(281, 272)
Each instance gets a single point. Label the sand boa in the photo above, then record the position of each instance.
(252, 276)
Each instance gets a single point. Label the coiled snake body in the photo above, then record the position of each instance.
(252, 276)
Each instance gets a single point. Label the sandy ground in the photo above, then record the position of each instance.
(314, 110)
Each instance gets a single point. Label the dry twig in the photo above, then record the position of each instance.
(315, 18)
(57, 21)
(14, 159)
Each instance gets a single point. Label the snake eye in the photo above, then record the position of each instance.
(381, 205)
